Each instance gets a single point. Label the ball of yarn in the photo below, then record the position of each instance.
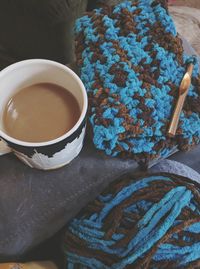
(149, 222)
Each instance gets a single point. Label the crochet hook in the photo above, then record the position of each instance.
(183, 91)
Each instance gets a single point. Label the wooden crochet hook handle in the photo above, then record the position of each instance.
(183, 91)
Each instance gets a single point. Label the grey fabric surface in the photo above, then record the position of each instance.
(174, 167)
(34, 204)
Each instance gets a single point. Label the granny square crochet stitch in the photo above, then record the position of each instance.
(141, 222)
(132, 61)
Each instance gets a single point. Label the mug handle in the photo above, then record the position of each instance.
(4, 148)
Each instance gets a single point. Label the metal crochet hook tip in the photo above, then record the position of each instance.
(183, 92)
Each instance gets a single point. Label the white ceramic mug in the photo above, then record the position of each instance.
(50, 154)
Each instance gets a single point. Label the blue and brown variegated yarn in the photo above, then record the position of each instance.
(148, 222)
(131, 61)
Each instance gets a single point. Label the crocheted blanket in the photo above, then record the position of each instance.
(132, 61)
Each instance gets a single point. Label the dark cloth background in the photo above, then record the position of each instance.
(38, 29)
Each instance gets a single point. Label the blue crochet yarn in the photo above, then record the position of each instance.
(151, 222)
(132, 62)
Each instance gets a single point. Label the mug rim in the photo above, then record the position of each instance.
(12, 67)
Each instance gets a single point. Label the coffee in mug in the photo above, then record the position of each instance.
(44, 101)
(40, 112)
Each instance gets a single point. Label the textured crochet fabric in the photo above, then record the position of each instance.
(131, 61)
(149, 222)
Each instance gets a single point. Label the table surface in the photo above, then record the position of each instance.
(189, 3)
(186, 15)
